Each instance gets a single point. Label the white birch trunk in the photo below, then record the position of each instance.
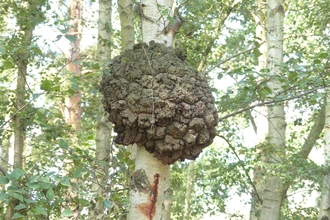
(325, 194)
(126, 16)
(104, 127)
(273, 191)
(189, 187)
(151, 179)
(261, 112)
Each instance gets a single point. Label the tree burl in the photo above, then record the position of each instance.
(156, 100)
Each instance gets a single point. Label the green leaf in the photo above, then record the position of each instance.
(16, 174)
(70, 38)
(58, 37)
(257, 53)
(171, 19)
(17, 196)
(17, 215)
(64, 31)
(95, 66)
(3, 180)
(20, 206)
(36, 95)
(74, 83)
(65, 181)
(41, 210)
(2, 50)
(46, 85)
(298, 54)
(50, 194)
(63, 144)
(106, 204)
(7, 64)
(29, 201)
(78, 173)
(3, 195)
(84, 202)
(67, 213)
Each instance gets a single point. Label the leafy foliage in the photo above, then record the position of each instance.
(57, 157)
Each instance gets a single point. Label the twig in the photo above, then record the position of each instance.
(265, 103)
(245, 171)
(24, 106)
(229, 58)
(20, 71)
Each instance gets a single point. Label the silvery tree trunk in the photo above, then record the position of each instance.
(104, 127)
(273, 191)
(324, 212)
(260, 121)
(151, 178)
(126, 15)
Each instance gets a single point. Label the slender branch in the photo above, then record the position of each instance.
(229, 58)
(225, 12)
(24, 106)
(314, 133)
(3, 171)
(20, 71)
(266, 103)
(245, 171)
(253, 122)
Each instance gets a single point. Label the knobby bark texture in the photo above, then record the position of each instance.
(151, 104)
(273, 191)
(324, 209)
(155, 99)
(146, 200)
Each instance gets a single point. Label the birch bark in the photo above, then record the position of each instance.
(104, 127)
(261, 112)
(274, 190)
(324, 212)
(151, 178)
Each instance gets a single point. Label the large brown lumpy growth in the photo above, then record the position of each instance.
(157, 101)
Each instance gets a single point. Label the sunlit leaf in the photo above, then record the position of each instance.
(67, 213)
(17, 215)
(41, 210)
(20, 206)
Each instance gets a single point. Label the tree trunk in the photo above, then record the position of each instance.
(151, 179)
(104, 127)
(71, 110)
(261, 121)
(189, 187)
(20, 126)
(126, 16)
(273, 191)
(324, 212)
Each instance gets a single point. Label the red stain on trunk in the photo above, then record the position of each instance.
(149, 209)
